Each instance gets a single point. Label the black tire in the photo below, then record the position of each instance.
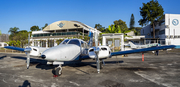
(58, 72)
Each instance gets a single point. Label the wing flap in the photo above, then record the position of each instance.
(143, 50)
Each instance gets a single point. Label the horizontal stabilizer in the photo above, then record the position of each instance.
(143, 50)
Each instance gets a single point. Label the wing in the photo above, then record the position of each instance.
(143, 50)
(16, 48)
(27, 50)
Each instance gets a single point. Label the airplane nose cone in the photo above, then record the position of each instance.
(43, 56)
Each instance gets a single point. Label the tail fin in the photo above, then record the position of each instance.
(90, 39)
(132, 44)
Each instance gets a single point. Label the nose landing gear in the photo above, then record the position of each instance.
(58, 71)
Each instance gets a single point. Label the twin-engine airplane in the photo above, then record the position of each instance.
(133, 46)
(76, 49)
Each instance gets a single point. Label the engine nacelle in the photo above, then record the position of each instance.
(36, 51)
(104, 52)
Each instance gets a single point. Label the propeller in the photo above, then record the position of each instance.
(96, 50)
(27, 50)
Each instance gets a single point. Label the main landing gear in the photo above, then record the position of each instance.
(101, 64)
(58, 71)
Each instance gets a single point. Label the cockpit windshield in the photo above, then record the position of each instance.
(74, 41)
(65, 41)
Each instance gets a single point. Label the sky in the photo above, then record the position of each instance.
(27, 13)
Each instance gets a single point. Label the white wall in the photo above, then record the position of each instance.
(172, 22)
(3, 44)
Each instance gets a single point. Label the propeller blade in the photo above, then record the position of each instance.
(96, 50)
(27, 50)
(28, 60)
(97, 60)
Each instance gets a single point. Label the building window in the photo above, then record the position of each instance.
(43, 43)
(57, 34)
(50, 43)
(166, 36)
(171, 36)
(162, 32)
(0, 44)
(175, 36)
(35, 43)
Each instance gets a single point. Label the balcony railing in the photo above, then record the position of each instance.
(56, 34)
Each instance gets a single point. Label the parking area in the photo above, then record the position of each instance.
(155, 71)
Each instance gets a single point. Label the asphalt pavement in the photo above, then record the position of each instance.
(155, 71)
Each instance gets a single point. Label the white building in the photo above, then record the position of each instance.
(167, 31)
(59, 30)
(3, 39)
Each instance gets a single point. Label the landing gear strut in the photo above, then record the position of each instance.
(101, 65)
(58, 71)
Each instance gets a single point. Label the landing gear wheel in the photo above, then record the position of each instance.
(101, 65)
(58, 71)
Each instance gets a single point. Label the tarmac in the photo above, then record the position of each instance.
(155, 71)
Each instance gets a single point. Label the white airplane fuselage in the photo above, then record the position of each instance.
(68, 50)
(63, 52)
(133, 46)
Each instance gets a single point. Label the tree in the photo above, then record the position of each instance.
(35, 28)
(113, 29)
(137, 30)
(18, 38)
(13, 30)
(21, 36)
(151, 12)
(118, 27)
(132, 22)
(99, 27)
(122, 25)
(45, 26)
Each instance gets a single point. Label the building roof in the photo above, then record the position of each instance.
(64, 25)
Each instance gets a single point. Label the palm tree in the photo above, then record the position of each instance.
(13, 30)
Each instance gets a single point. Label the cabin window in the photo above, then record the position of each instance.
(76, 42)
(83, 44)
(65, 41)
